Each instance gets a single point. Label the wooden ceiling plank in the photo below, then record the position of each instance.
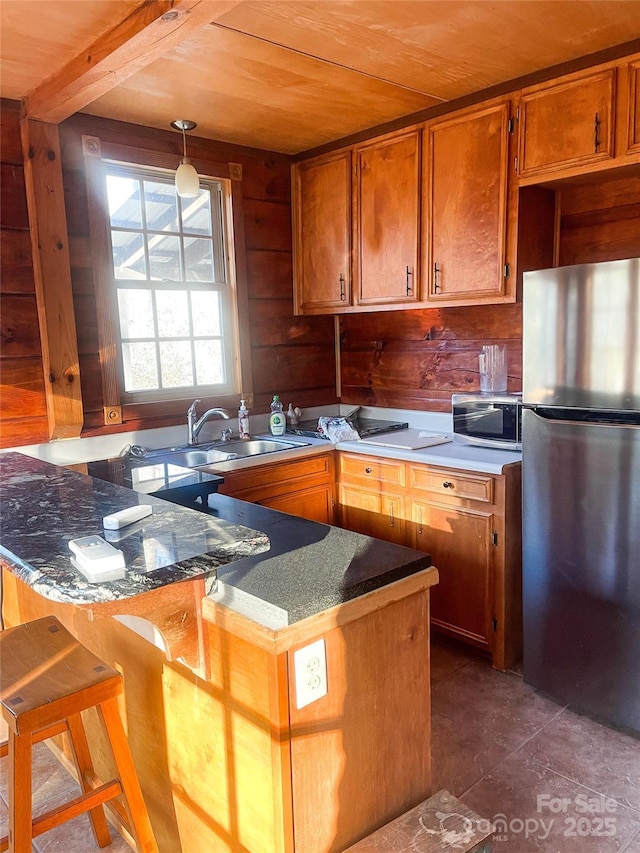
(146, 34)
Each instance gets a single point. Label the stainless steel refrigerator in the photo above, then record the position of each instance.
(581, 482)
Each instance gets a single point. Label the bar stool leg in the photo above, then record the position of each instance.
(138, 816)
(84, 766)
(20, 796)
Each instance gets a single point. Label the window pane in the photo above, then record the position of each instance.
(164, 258)
(209, 363)
(175, 364)
(173, 313)
(198, 259)
(196, 214)
(125, 210)
(128, 255)
(205, 309)
(136, 313)
(161, 206)
(140, 366)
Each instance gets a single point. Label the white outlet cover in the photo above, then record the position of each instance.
(310, 673)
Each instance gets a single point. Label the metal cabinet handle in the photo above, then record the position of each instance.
(436, 278)
(596, 133)
(342, 289)
(368, 470)
(393, 521)
(409, 282)
(448, 485)
(420, 531)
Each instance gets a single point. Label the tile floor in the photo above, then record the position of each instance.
(555, 782)
(552, 781)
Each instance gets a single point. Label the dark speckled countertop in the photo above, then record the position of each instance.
(272, 567)
(309, 568)
(43, 506)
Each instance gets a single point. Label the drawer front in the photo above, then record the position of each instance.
(362, 469)
(453, 484)
(285, 475)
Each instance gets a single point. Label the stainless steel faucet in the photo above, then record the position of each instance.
(194, 426)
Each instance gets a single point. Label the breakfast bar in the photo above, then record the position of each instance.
(235, 745)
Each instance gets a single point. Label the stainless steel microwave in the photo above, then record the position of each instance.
(489, 420)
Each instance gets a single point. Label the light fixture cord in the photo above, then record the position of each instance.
(184, 143)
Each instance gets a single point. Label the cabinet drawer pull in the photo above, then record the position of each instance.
(409, 284)
(596, 133)
(420, 531)
(342, 290)
(448, 485)
(368, 470)
(436, 278)
(393, 521)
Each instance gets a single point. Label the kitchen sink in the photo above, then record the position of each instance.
(226, 451)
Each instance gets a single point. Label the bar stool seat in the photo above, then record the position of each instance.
(46, 679)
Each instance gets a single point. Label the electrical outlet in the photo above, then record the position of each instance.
(310, 672)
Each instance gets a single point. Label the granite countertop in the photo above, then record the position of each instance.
(309, 568)
(272, 567)
(44, 506)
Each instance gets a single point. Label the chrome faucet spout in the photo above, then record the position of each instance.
(194, 426)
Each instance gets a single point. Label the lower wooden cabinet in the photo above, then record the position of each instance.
(470, 524)
(302, 487)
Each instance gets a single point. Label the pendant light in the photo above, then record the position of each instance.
(187, 180)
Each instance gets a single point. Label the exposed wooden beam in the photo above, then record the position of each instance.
(149, 31)
(52, 273)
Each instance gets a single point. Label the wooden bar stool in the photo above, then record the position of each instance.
(46, 679)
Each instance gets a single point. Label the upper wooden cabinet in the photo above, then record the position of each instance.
(568, 123)
(387, 216)
(466, 207)
(322, 233)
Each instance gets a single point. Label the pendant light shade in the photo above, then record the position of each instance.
(187, 180)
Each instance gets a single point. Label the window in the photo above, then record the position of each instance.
(174, 304)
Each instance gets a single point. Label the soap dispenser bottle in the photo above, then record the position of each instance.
(277, 422)
(243, 420)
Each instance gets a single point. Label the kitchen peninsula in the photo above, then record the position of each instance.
(229, 756)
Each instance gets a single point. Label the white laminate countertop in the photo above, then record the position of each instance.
(453, 454)
(450, 455)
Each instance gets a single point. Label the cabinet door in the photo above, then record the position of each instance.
(633, 107)
(315, 503)
(372, 514)
(567, 124)
(322, 233)
(387, 214)
(459, 542)
(465, 213)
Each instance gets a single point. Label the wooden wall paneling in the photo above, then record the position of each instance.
(600, 220)
(10, 142)
(269, 274)
(23, 415)
(17, 266)
(19, 326)
(537, 233)
(267, 225)
(273, 324)
(13, 203)
(302, 372)
(419, 358)
(48, 228)
(22, 391)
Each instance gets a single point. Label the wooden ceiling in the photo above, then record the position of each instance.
(285, 75)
